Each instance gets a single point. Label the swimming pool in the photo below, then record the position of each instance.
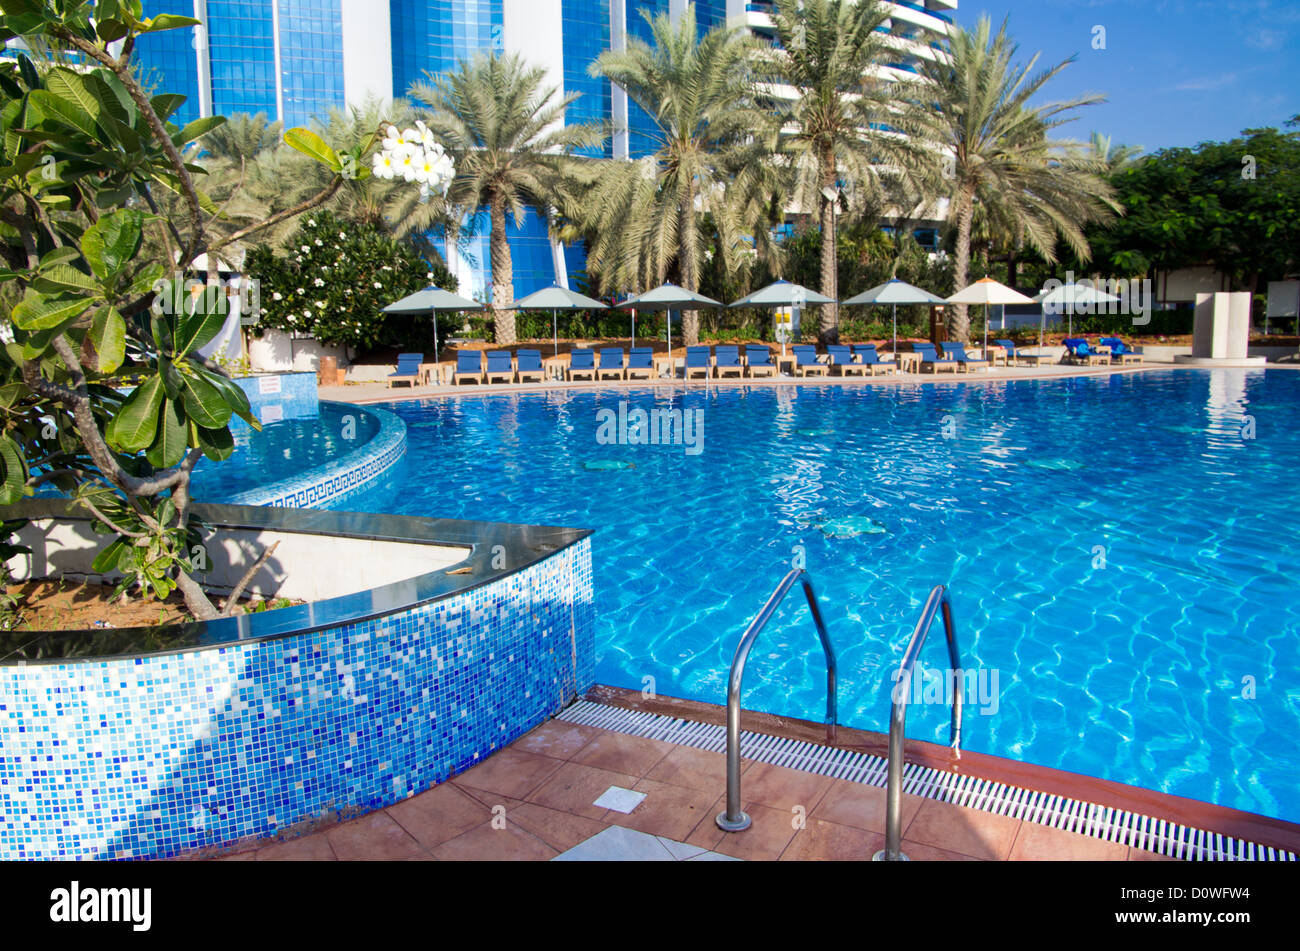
(1120, 552)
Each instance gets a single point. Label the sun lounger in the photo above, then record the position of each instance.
(698, 362)
(1120, 352)
(1083, 355)
(758, 359)
(500, 366)
(958, 352)
(528, 365)
(640, 363)
(726, 361)
(611, 364)
(408, 368)
(840, 361)
(870, 360)
(469, 366)
(1009, 346)
(930, 358)
(582, 364)
(805, 360)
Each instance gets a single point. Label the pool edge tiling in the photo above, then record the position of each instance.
(339, 479)
(154, 755)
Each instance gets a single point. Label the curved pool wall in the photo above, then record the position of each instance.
(281, 720)
(332, 484)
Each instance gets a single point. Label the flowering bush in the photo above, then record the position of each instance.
(332, 280)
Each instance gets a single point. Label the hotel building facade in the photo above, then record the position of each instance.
(297, 59)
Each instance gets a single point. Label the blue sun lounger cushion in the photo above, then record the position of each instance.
(408, 368)
(698, 362)
(727, 360)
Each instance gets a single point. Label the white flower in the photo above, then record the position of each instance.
(342, 237)
(277, 296)
(320, 243)
(305, 249)
(320, 304)
(385, 167)
(311, 222)
(393, 139)
(301, 292)
(318, 282)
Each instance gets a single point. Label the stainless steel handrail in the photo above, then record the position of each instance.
(892, 852)
(735, 820)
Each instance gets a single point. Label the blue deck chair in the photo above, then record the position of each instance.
(500, 366)
(1081, 353)
(840, 360)
(640, 363)
(805, 360)
(1120, 352)
(726, 360)
(582, 364)
(958, 352)
(698, 362)
(611, 363)
(1010, 347)
(528, 364)
(930, 358)
(408, 368)
(469, 366)
(759, 360)
(870, 359)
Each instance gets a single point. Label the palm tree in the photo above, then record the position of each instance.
(505, 131)
(829, 51)
(644, 218)
(998, 153)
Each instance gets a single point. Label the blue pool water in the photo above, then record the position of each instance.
(1118, 553)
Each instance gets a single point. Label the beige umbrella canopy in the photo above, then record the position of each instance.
(988, 291)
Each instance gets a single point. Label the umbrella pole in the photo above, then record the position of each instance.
(986, 333)
(672, 364)
(633, 328)
(555, 331)
(895, 338)
(434, 313)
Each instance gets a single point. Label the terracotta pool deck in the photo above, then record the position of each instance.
(535, 800)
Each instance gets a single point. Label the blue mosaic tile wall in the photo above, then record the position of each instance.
(150, 757)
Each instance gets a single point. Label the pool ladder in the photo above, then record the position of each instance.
(938, 602)
(734, 819)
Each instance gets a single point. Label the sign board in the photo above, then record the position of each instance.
(786, 325)
(268, 385)
(272, 414)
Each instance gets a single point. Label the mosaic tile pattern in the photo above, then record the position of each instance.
(148, 757)
(348, 475)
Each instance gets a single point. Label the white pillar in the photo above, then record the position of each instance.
(367, 52)
(203, 57)
(618, 101)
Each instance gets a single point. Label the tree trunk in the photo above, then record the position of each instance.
(830, 325)
(690, 269)
(958, 320)
(503, 275)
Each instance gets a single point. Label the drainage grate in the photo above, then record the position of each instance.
(1059, 812)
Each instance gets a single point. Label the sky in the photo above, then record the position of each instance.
(1174, 72)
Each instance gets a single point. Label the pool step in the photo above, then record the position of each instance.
(1059, 812)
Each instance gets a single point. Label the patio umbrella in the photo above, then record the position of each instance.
(1067, 297)
(667, 297)
(782, 294)
(894, 292)
(988, 291)
(556, 299)
(432, 300)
